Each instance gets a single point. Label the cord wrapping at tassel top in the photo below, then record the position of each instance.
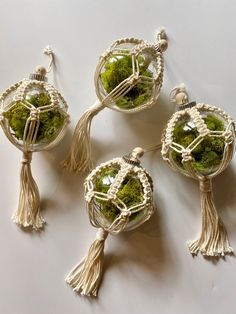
(205, 185)
(101, 234)
(26, 158)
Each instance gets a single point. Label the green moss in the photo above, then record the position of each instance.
(208, 154)
(50, 122)
(116, 70)
(130, 192)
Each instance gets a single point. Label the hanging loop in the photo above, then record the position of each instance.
(49, 52)
(40, 71)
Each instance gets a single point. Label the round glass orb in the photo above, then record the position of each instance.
(17, 112)
(130, 193)
(208, 154)
(119, 65)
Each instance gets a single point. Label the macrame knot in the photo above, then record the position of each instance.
(186, 155)
(111, 194)
(27, 158)
(48, 50)
(205, 185)
(199, 122)
(125, 215)
(101, 234)
(34, 114)
(203, 130)
(18, 97)
(88, 196)
(134, 78)
(168, 142)
(228, 137)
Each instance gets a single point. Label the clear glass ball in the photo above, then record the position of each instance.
(119, 66)
(130, 193)
(208, 154)
(17, 112)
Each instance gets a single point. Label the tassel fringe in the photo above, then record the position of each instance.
(213, 240)
(79, 157)
(28, 211)
(85, 278)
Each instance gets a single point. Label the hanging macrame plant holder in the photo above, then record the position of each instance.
(34, 116)
(199, 142)
(119, 197)
(128, 79)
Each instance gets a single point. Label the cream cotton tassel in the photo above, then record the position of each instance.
(86, 276)
(28, 211)
(79, 157)
(213, 240)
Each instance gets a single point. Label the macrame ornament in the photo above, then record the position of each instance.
(128, 79)
(199, 142)
(118, 195)
(34, 117)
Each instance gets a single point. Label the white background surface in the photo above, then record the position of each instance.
(148, 270)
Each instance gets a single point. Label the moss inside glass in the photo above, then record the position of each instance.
(117, 69)
(50, 122)
(209, 153)
(130, 192)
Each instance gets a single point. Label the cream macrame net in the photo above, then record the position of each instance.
(86, 276)
(79, 157)
(213, 239)
(16, 100)
(136, 48)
